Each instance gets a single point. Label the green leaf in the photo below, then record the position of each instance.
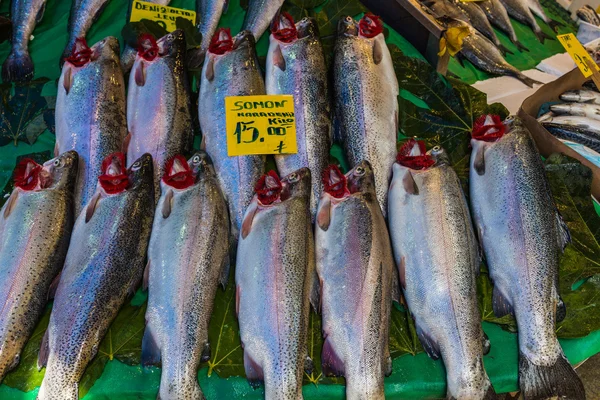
(329, 15)
(484, 292)
(193, 38)
(21, 107)
(403, 335)
(132, 31)
(583, 308)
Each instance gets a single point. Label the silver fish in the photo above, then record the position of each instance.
(356, 271)
(25, 14)
(104, 264)
(575, 134)
(90, 113)
(208, 13)
(188, 256)
(274, 276)
(536, 7)
(485, 56)
(498, 16)
(519, 10)
(234, 72)
(438, 260)
(296, 66)
(569, 121)
(259, 16)
(581, 96)
(82, 16)
(35, 228)
(158, 103)
(522, 235)
(591, 111)
(366, 99)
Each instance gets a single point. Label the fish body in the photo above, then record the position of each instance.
(478, 19)
(208, 14)
(273, 277)
(104, 264)
(25, 14)
(498, 16)
(575, 134)
(536, 8)
(298, 68)
(188, 256)
(450, 9)
(158, 105)
(355, 267)
(235, 72)
(259, 16)
(581, 96)
(580, 109)
(522, 236)
(438, 259)
(571, 121)
(519, 10)
(90, 114)
(35, 228)
(366, 99)
(82, 16)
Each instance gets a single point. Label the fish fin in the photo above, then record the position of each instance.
(254, 372)
(388, 366)
(209, 74)
(203, 142)
(402, 272)
(54, 286)
(224, 275)
(140, 74)
(146, 277)
(396, 292)
(503, 49)
(278, 59)
(409, 184)
(40, 13)
(150, 350)
(324, 213)
(554, 25)
(520, 46)
(68, 79)
(542, 382)
(91, 208)
(500, 304)
(238, 290)
(56, 149)
(479, 163)
(485, 342)
(561, 308)
(205, 356)
(429, 345)
(167, 204)
(17, 67)
(44, 352)
(542, 36)
(248, 219)
(377, 52)
(10, 203)
(126, 142)
(309, 365)
(564, 235)
(461, 59)
(330, 361)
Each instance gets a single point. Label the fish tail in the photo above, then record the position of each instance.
(520, 45)
(18, 67)
(542, 36)
(504, 50)
(63, 391)
(541, 382)
(555, 25)
(525, 79)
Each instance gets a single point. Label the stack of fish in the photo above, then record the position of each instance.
(589, 15)
(577, 120)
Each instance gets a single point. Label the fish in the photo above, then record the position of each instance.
(83, 14)
(366, 99)
(35, 228)
(259, 16)
(230, 69)
(296, 66)
(90, 111)
(208, 14)
(536, 8)
(519, 10)
(522, 235)
(581, 96)
(354, 263)
(569, 121)
(589, 15)
(25, 14)
(104, 265)
(580, 109)
(158, 103)
(275, 281)
(485, 56)
(188, 257)
(498, 16)
(575, 134)
(438, 260)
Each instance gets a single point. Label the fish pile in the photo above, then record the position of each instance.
(577, 119)
(589, 15)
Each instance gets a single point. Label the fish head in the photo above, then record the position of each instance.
(347, 26)
(80, 56)
(361, 179)
(283, 28)
(107, 48)
(178, 173)
(370, 26)
(114, 178)
(61, 171)
(201, 163)
(490, 128)
(413, 155)
(268, 189)
(439, 155)
(221, 42)
(307, 28)
(172, 44)
(244, 41)
(296, 184)
(147, 47)
(141, 173)
(335, 183)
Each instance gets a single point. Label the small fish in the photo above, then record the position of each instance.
(570, 121)
(25, 14)
(104, 265)
(82, 16)
(497, 15)
(575, 134)
(519, 10)
(536, 7)
(259, 16)
(274, 275)
(208, 14)
(581, 96)
(35, 228)
(183, 273)
(581, 109)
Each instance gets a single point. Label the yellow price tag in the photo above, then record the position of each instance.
(164, 15)
(578, 53)
(260, 125)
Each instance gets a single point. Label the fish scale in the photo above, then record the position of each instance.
(259, 15)
(82, 16)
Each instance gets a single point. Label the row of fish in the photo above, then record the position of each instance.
(577, 120)
(589, 15)
(25, 14)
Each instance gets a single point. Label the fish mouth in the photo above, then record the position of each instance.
(488, 128)
(28, 175)
(166, 43)
(243, 39)
(268, 188)
(221, 42)
(290, 181)
(178, 173)
(335, 182)
(283, 28)
(370, 26)
(147, 47)
(81, 54)
(347, 26)
(114, 178)
(413, 155)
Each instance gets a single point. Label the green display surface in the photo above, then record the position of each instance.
(413, 376)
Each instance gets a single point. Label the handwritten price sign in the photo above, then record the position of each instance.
(260, 125)
(164, 15)
(578, 53)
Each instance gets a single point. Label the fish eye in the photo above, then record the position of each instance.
(436, 149)
(359, 171)
(196, 159)
(348, 19)
(136, 165)
(293, 178)
(57, 163)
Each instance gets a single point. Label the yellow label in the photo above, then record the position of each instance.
(164, 15)
(260, 125)
(452, 40)
(577, 52)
